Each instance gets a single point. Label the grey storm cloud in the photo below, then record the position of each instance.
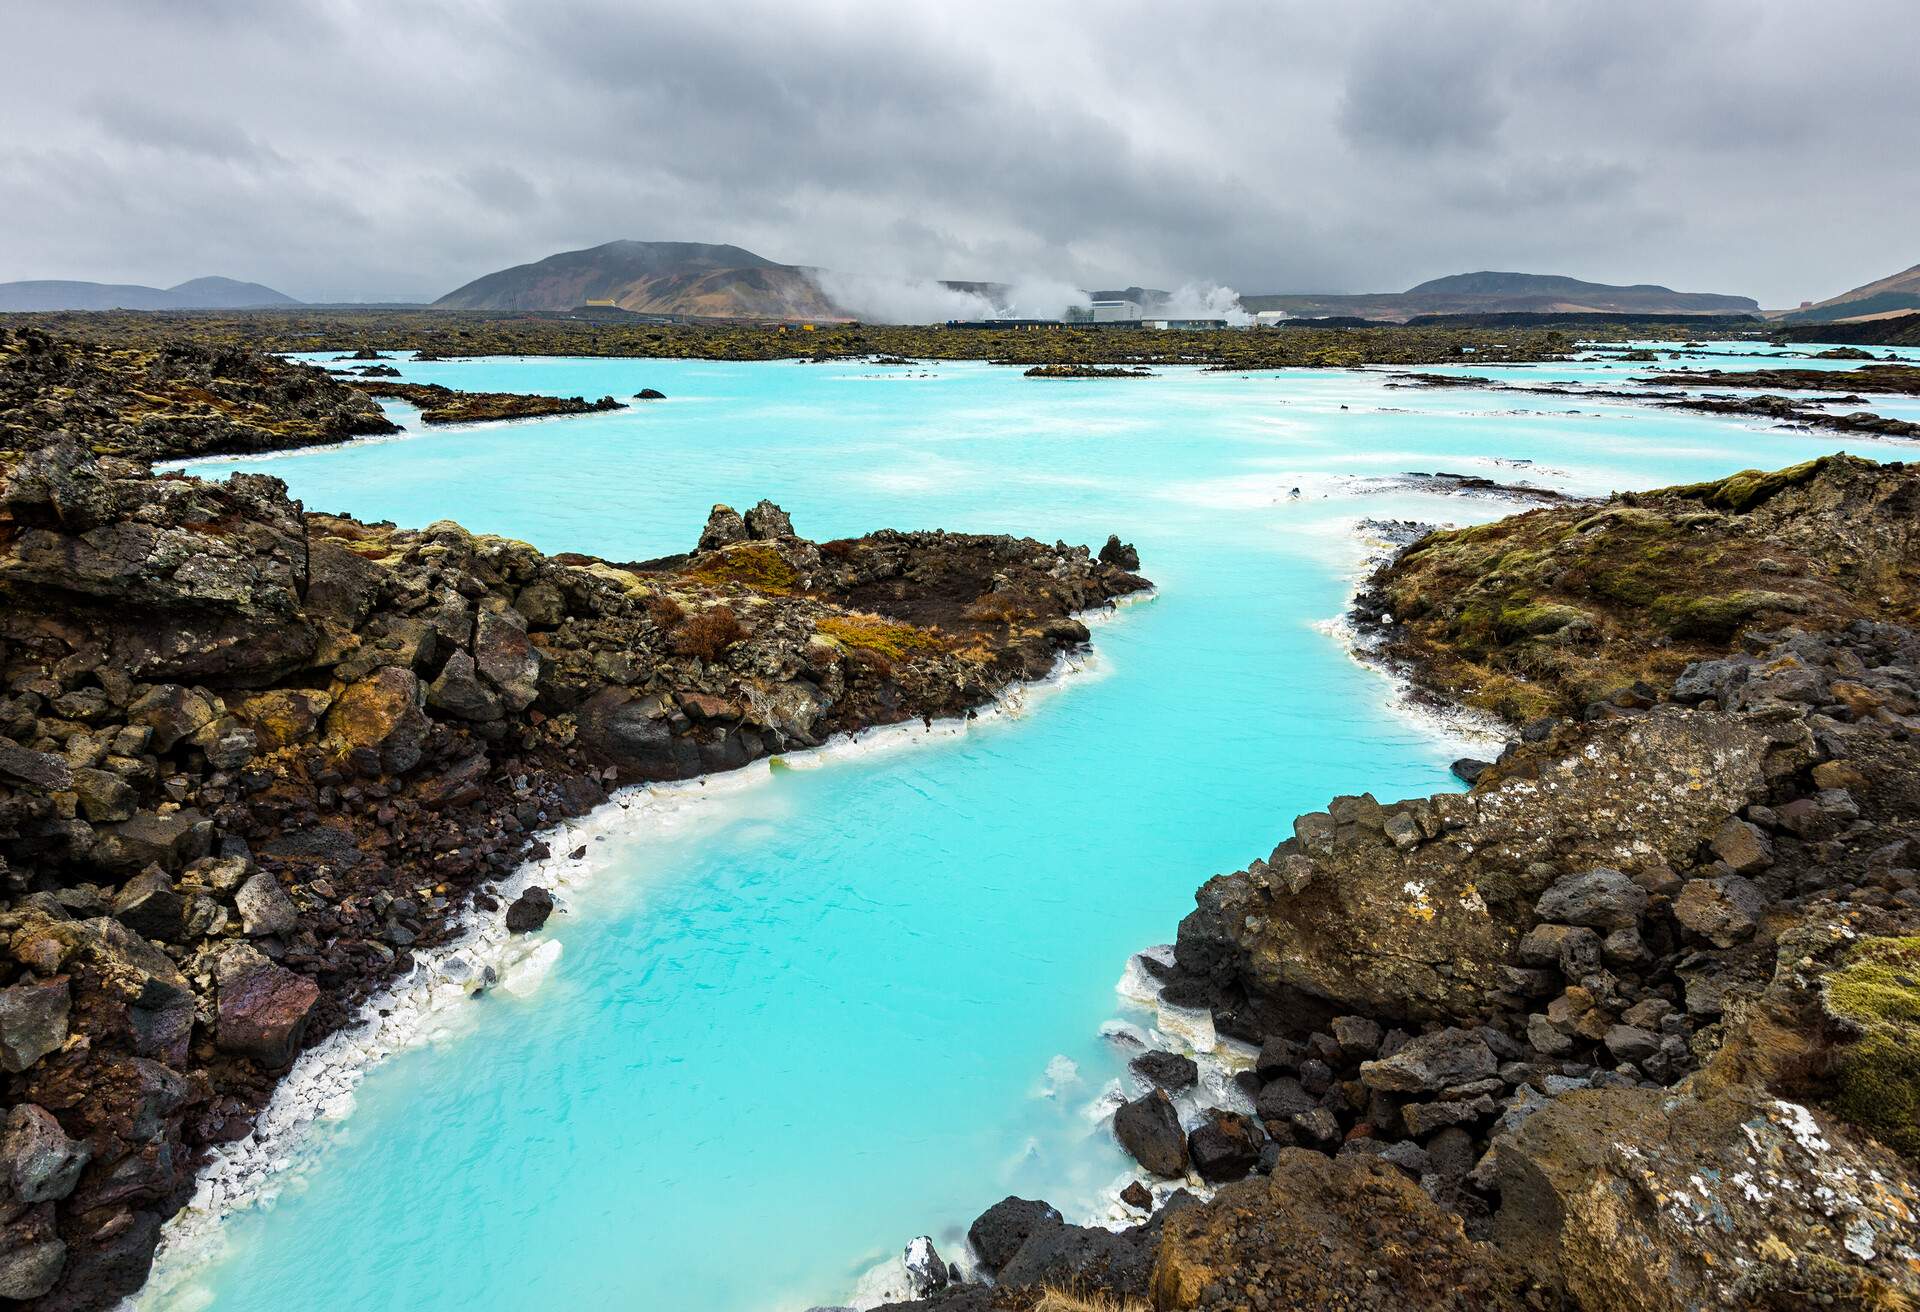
(393, 149)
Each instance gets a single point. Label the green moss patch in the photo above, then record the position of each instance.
(753, 565)
(1877, 990)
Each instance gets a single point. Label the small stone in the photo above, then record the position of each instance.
(1631, 1043)
(1317, 1125)
(1358, 1036)
(1137, 1196)
(148, 905)
(1743, 846)
(1724, 911)
(265, 909)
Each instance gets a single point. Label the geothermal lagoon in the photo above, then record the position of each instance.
(804, 1012)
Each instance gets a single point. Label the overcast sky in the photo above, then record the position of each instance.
(393, 150)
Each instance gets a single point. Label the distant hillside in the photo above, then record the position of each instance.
(1899, 294)
(1508, 293)
(197, 294)
(653, 277)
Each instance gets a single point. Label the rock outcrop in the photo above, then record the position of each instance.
(1566, 609)
(170, 399)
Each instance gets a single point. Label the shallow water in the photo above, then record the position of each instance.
(829, 1012)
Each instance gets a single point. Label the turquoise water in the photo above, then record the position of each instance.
(820, 1017)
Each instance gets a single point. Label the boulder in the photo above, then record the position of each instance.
(262, 1008)
(1166, 1070)
(284, 717)
(38, 1162)
(265, 909)
(148, 839)
(997, 1233)
(1120, 555)
(1724, 911)
(530, 910)
(724, 528)
(1084, 1257)
(1226, 1146)
(1431, 1063)
(33, 1022)
(507, 659)
(458, 691)
(1602, 899)
(926, 1273)
(1349, 1232)
(41, 770)
(1429, 933)
(1149, 1129)
(768, 521)
(382, 714)
(148, 905)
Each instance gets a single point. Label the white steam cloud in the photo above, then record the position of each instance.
(1204, 301)
(878, 298)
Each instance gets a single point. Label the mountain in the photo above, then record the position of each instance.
(197, 294)
(1508, 293)
(653, 277)
(1899, 294)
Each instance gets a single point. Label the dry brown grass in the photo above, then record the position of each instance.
(1059, 1300)
(708, 634)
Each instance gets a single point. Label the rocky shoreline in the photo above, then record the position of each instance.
(444, 405)
(1633, 1023)
(254, 760)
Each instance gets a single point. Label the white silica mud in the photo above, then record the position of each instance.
(788, 1020)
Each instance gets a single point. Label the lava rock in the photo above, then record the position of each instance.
(1431, 1063)
(1225, 1147)
(530, 910)
(265, 909)
(997, 1233)
(1601, 899)
(1120, 555)
(1166, 1070)
(724, 528)
(1724, 911)
(33, 1022)
(38, 1162)
(262, 1008)
(1149, 1129)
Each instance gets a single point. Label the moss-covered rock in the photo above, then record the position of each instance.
(1876, 990)
(1551, 610)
